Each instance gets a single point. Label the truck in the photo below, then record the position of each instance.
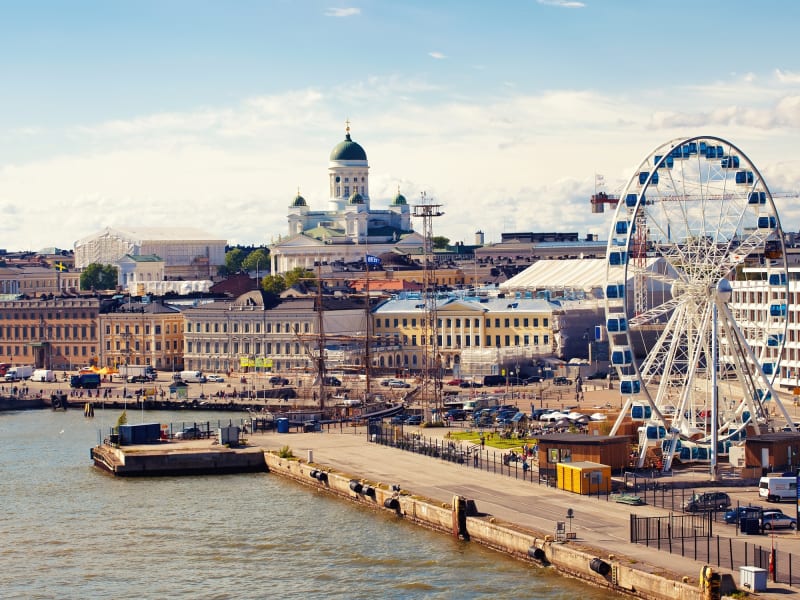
(775, 489)
(18, 373)
(43, 375)
(193, 377)
(137, 373)
(87, 381)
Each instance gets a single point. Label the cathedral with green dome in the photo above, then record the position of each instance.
(349, 222)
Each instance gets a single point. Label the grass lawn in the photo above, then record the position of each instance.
(493, 440)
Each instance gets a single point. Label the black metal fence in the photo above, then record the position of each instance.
(670, 527)
(691, 536)
(468, 454)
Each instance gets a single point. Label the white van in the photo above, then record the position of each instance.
(43, 375)
(775, 489)
(193, 376)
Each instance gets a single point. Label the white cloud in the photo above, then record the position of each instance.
(342, 12)
(563, 3)
(527, 157)
(437, 55)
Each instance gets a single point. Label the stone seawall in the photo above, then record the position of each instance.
(460, 518)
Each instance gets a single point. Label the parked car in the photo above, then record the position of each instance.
(216, 378)
(189, 433)
(777, 520)
(597, 375)
(398, 419)
(414, 420)
(138, 379)
(398, 383)
(277, 380)
(532, 379)
(561, 381)
(331, 381)
(470, 384)
(454, 382)
(456, 414)
(707, 501)
(734, 515)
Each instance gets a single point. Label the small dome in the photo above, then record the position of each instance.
(399, 200)
(348, 150)
(299, 201)
(355, 198)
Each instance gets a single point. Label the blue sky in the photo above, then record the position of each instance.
(213, 114)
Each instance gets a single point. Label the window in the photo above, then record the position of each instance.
(497, 323)
(507, 322)
(525, 322)
(158, 329)
(516, 321)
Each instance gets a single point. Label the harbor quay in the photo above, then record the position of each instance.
(507, 514)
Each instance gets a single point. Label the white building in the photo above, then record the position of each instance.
(350, 228)
(187, 253)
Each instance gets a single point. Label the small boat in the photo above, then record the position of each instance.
(631, 499)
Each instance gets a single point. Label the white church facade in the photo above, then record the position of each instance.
(349, 228)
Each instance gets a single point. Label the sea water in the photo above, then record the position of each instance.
(69, 530)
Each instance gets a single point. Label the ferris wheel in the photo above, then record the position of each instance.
(696, 300)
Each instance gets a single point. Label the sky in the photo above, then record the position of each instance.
(214, 114)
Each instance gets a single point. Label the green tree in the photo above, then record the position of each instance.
(257, 260)
(273, 284)
(440, 242)
(99, 277)
(233, 260)
(299, 274)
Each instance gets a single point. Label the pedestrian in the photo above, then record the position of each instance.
(483, 442)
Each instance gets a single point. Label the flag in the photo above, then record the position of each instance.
(373, 260)
(60, 266)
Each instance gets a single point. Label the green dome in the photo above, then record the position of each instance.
(399, 200)
(348, 150)
(355, 198)
(299, 201)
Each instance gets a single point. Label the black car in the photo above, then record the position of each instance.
(597, 375)
(532, 379)
(707, 501)
(276, 380)
(470, 384)
(561, 381)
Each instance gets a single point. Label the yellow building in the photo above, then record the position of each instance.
(497, 330)
(142, 334)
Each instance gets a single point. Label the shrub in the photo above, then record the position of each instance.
(285, 452)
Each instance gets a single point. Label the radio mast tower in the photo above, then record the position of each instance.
(431, 360)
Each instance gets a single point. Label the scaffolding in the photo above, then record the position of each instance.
(431, 358)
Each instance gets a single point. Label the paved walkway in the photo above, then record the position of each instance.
(597, 523)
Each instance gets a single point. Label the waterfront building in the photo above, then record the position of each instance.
(350, 228)
(474, 333)
(255, 332)
(750, 294)
(37, 281)
(55, 333)
(141, 333)
(136, 270)
(188, 253)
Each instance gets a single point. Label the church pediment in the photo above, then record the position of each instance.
(459, 306)
(298, 241)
